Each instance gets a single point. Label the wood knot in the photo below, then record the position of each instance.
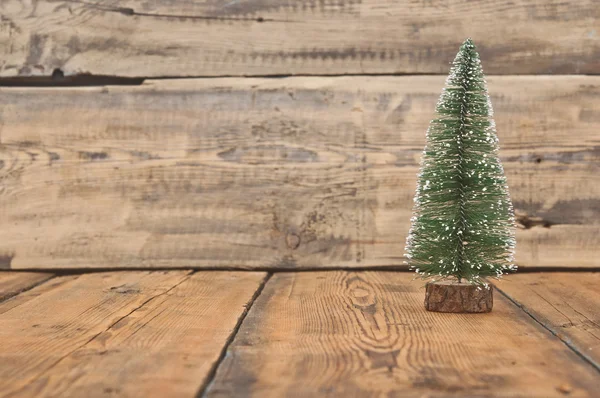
(360, 293)
(292, 240)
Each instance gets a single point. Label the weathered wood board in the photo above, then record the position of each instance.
(167, 346)
(34, 293)
(344, 334)
(260, 37)
(13, 283)
(43, 331)
(566, 303)
(275, 173)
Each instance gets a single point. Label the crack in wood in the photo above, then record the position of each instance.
(63, 357)
(584, 316)
(213, 371)
(553, 306)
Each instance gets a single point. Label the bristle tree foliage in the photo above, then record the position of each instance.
(463, 221)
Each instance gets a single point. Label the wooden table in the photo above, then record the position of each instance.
(306, 334)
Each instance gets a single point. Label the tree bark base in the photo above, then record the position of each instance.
(447, 296)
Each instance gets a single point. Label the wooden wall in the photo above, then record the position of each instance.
(158, 38)
(204, 166)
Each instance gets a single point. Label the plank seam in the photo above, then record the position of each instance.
(210, 377)
(58, 80)
(25, 289)
(351, 74)
(396, 268)
(90, 80)
(555, 333)
(104, 331)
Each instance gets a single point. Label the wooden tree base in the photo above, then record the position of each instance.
(447, 296)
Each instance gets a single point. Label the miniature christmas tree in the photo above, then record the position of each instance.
(463, 223)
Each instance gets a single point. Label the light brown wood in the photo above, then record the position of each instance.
(367, 334)
(447, 296)
(42, 332)
(34, 293)
(259, 37)
(275, 173)
(566, 303)
(167, 347)
(13, 283)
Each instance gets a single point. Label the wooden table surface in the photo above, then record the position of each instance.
(305, 334)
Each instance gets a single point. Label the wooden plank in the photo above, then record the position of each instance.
(33, 294)
(13, 283)
(367, 334)
(40, 333)
(275, 173)
(262, 37)
(566, 303)
(167, 347)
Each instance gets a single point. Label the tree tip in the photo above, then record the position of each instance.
(469, 43)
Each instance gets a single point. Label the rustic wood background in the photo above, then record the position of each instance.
(201, 165)
(258, 37)
(293, 334)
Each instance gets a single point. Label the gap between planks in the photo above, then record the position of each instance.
(86, 80)
(272, 270)
(59, 80)
(213, 371)
(552, 330)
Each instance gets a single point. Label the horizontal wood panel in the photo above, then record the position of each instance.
(260, 37)
(13, 283)
(166, 347)
(367, 334)
(43, 331)
(566, 303)
(276, 173)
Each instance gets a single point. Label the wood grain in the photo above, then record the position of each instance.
(33, 294)
(40, 333)
(345, 334)
(265, 37)
(165, 348)
(566, 303)
(13, 283)
(275, 173)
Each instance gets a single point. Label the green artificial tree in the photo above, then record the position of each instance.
(463, 222)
